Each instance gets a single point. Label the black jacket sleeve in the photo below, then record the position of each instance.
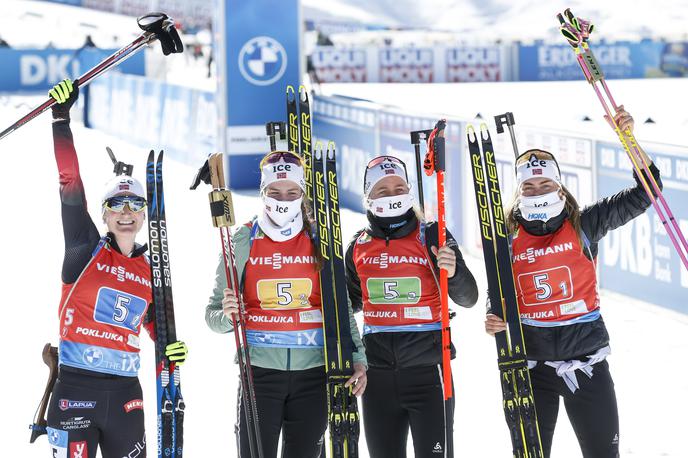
(80, 233)
(353, 283)
(612, 212)
(463, 289)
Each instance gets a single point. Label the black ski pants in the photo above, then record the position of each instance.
(398, 399)
(88, 410)
(291, 402)
(592, 409)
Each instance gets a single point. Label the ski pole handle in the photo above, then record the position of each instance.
(507, 119)
(416, 137)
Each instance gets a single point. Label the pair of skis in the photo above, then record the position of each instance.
(169, 395)
(517, 392)
(320, 173)
(577, 32)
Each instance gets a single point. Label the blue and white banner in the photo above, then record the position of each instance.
(151, 113)
(354, 130)
(638, 259)
(363, 131)
(619, 60)
(259, 55)
(29, 70)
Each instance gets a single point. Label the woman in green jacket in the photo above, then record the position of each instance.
(279, 266)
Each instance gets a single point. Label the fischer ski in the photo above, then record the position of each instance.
(517, 392)
(343, 416)
(170, 402)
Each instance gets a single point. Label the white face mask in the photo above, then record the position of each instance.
(390, 206)
(541, 208)
(282, 212)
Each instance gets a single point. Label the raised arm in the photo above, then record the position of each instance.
(80, 233)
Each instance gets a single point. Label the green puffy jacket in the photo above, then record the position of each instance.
(270, 358)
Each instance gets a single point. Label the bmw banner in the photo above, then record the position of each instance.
(258, 56)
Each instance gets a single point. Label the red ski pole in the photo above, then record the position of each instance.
(435, 163)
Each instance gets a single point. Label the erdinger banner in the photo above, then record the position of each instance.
(258, 55)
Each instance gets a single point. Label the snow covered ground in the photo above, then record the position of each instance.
(648, 342)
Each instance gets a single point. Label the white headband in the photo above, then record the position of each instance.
(387, 168)
(538, 168)
(281, 171)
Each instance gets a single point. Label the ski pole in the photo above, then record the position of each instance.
(416, 137)
(507, 119)
(273, 129)
(222, 211)
(435, 163)
(577, 31)
(38, 428)
(156, 26)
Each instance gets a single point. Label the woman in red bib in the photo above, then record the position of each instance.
(554, 248)
(278, 266)
(392, 276)
(106, 292)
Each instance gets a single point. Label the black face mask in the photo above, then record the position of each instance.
(390, 224)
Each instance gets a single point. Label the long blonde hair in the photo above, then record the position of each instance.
(571, 206)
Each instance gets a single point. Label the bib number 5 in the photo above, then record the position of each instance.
(546, 286)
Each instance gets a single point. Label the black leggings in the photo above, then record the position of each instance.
(395, 400)
(291, 402)
(591, 409)
(87, 411)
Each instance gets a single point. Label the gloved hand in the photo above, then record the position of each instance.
(176, 352)
(65, 94)
(203, 175)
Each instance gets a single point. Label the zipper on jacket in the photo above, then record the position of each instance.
(288, 359)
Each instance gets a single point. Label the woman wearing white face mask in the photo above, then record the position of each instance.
(392, 275)
(554, 250)
(279, 270)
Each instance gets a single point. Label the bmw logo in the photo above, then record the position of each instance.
(262, 60)
(93, 356)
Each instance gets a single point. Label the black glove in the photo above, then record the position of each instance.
(65, 94)
(203, 175)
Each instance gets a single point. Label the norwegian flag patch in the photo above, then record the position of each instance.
(537, 171)
(281, 175)
(389, 172)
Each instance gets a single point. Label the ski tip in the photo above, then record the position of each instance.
(318, 150)
(331, 150)
(484, 132)
(303, 93)
(151, 156)
(290, 89)
(470, 132)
